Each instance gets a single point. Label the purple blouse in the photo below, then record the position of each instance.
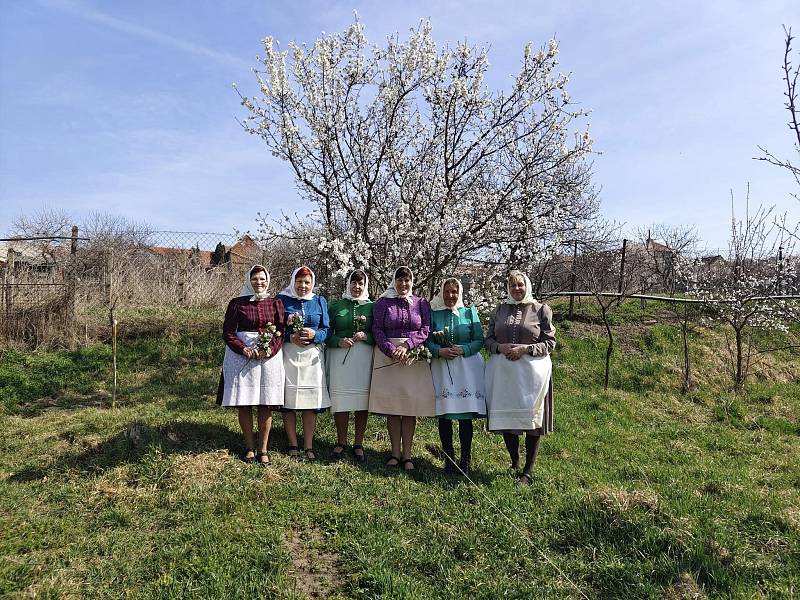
(399, 318)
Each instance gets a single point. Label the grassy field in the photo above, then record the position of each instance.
(641, 492)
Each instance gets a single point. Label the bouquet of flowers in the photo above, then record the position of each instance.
(359, 324)
(413, 355)
(420, 353)
(265, 337)
(297, 322)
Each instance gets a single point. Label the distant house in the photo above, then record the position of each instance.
(201, 258)
(29, 256)
(242, 255)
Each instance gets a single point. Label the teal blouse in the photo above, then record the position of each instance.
(463, 330)
(342, 316)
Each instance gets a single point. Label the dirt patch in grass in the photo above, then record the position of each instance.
(313, 568)
(617, 500)
(685, 588)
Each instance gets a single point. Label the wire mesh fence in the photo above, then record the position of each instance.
(64, 289)
(67, 289)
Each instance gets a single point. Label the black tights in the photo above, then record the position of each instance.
(464, 437)
(531, 449)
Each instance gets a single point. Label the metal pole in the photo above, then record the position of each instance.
(622, 266)
(114, 353)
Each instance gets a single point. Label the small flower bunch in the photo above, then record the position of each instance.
(297, 323)
(265, 337)
(442, 337)
(420, 353)
(359, 323)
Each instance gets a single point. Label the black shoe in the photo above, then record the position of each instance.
(338, 452)
(359, 458)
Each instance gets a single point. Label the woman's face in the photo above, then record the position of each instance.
(517, 287)
(302, 285)
(402, 285)
(450, 294)
(356, 288)
(259, 282)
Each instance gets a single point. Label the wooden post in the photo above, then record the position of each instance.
(780, 271)
(8, 280)
(622, 266)
(572, 277)
(73, 247)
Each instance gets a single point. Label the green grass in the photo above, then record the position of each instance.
(641, 492)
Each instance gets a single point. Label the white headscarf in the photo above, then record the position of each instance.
(438, 300)
(364, 297)
(289, 289)
(247, 288)
(528, 298)
(391, 292)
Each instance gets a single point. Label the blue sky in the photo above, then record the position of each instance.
(128, 107)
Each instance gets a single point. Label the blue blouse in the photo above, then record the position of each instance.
(314, 311)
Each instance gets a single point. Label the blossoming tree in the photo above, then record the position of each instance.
(407, 157)
(747, 291)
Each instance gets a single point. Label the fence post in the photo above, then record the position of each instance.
(572, 277)
(8, 283)
(108, 272)
(780, 271)
(72, 287)
(622, 266)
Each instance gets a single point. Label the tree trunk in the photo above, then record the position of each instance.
(687, 375)
(739, 375)
(604, 312)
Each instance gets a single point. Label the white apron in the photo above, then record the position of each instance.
(516, 391)
(467, 392)
(348, 383)
(252, 382)
(401, 390)
(305, 377)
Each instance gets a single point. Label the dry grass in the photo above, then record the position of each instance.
(618, 500)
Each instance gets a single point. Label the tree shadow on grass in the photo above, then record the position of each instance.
(134, 443)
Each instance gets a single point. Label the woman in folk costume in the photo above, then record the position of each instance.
(349, 359)
(457, 367)
(252, 370)
(307, 327)
(401, 387)
(519, 384)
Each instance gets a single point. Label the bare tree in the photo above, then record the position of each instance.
(791, 74)
(107, 230)
(48, 224)
(661, 247)
(600, 271)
